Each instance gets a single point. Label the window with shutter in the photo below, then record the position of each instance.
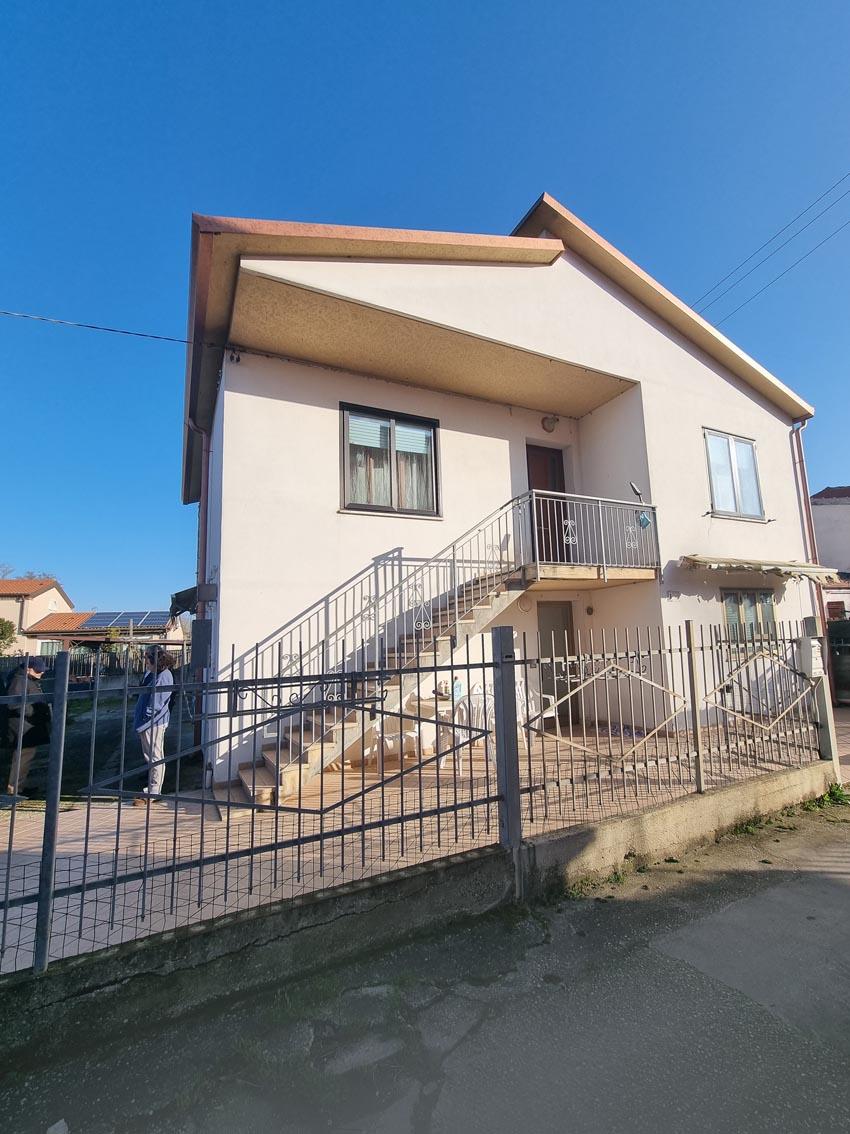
(389, 462)
(748, 613)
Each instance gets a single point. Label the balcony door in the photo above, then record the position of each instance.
(546, 474)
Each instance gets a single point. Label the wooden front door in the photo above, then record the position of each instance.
(546, 474)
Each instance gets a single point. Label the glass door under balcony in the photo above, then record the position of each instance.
(546, 474)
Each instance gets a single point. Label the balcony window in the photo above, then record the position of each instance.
(733, 474)
(389, 462)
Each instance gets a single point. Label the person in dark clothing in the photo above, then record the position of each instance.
(29, 723)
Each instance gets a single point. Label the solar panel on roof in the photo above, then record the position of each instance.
(121, 619)
(99, 621)
(156, 618)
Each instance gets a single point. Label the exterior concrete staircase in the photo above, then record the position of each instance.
(409, 616)
(329, 739)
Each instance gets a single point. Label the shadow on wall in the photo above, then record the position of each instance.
(706, 586)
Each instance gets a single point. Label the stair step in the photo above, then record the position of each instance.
(258, 783)
(287, 760)
(227, 798)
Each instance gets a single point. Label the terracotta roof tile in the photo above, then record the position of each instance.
(25, 587)
(59, 623)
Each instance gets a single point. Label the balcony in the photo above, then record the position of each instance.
(590, 540)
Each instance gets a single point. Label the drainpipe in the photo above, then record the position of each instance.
(797, 427)
(203, 505)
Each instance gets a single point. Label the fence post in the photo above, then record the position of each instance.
(696, 691)
(47, 871)
(813, 652)
(507, 747)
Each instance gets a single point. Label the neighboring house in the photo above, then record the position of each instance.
(97, 628)
(385, 393)
(831, 515)
(25, 602)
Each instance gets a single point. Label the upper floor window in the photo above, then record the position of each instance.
(389, 462)
(734, 475)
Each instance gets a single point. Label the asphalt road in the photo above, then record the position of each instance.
(711, 994)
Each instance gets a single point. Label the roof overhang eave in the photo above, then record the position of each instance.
(217, 245)
(289, 320)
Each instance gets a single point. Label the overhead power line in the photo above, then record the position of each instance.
(770, 283)
(32, 316)
(779, 232)
(98, 327)
(778, 248)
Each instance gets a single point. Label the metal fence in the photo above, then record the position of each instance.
(370, 769)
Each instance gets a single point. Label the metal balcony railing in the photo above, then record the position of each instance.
(593, 532)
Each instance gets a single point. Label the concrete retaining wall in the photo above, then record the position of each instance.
(557, 861)
(124, 987)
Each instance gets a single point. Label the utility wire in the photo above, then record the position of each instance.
(770, 283)
(246, 350)
(771, 239)
(98, 327)
(778, 248)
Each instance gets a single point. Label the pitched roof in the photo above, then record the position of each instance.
(550, 216)
(838, 493)
(58, 623)
(540, 238)
(28, 588)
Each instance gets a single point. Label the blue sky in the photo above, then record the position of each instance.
(685, 132)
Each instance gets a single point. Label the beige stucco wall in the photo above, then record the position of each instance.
(276, 485)
(278, 541)
(25, 612)
(11, 609)
(832, 533)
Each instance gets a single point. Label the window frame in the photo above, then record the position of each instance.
(742, 628)
(390, 416)
(730, 438)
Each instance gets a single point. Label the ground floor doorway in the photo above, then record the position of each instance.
(557, 646)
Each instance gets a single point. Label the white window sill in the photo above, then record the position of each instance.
(738, 519)
(387, 515)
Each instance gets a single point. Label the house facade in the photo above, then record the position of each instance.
(831, 515)
(24, 602)
(382, 423)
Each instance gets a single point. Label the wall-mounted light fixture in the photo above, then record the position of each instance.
(549, 422)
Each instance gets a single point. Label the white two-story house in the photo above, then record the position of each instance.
(388, 430)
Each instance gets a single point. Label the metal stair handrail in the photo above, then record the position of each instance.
(386, 611)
